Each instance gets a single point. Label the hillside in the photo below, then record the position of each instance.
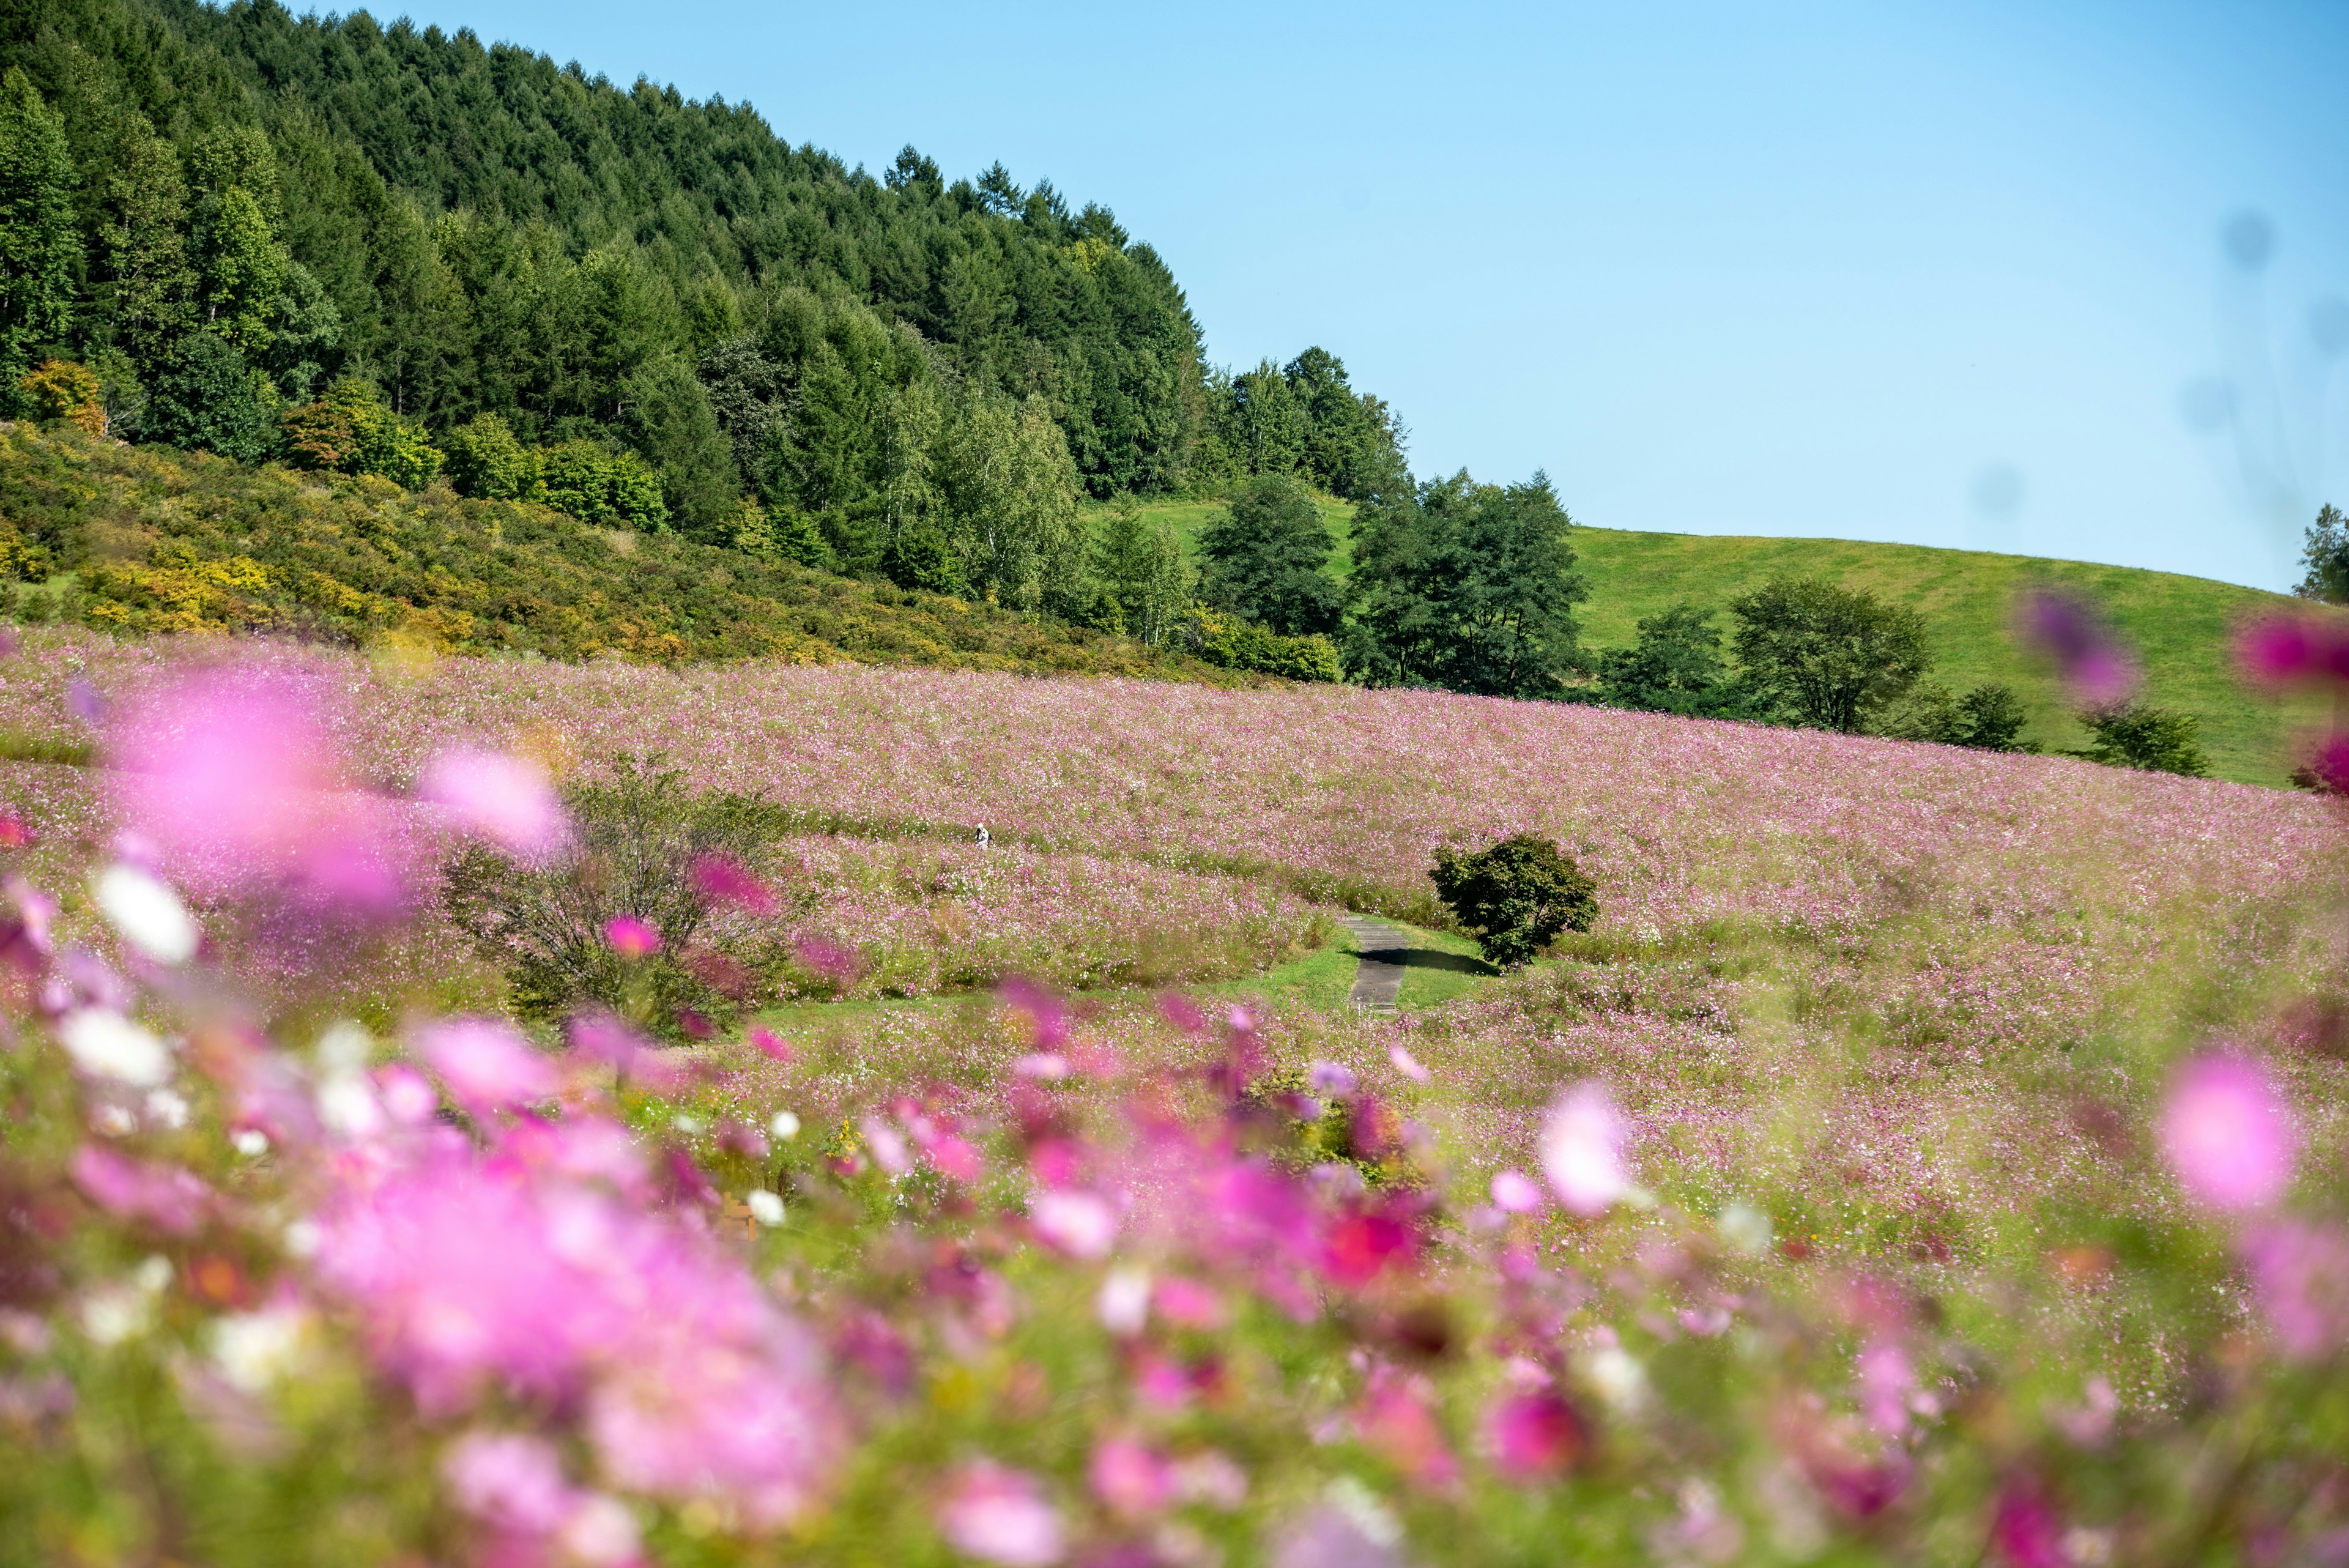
(2179, 626)
(141, 540)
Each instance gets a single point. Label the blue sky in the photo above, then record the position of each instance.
(1954, 275)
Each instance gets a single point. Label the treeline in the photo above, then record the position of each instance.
(229, 216)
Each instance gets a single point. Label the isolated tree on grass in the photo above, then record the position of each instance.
(1467, 587)
(1675, 665)
(1265, 559)
(1516, 897)
(1827, 657)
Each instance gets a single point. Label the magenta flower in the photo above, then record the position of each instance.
(1885, 1381)
(1533, 1437)
(2068, 632)
(1582, 1149)
(1000, 1515)
(1360, 1247)
(486, 1065)
(2229, 1133)
(1131, 1479)
(2025, 1530)
(631, 937)
(724, 881)
(772, 1046)
(1396, 1419)
(2300, 1275)
(2275, 651)
(170, 1198)
(507, 800)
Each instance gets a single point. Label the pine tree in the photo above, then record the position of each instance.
(40, 249)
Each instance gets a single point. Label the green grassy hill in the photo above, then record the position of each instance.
(2178, 625)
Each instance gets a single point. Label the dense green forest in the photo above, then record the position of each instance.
(611, 298)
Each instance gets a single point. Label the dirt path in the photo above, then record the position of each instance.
(1380, 976)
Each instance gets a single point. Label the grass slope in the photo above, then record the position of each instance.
(143, 540)
(2179, 626)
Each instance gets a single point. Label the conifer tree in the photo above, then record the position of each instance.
(40, 248)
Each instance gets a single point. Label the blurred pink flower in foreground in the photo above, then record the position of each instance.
(2300, 1274)
(2066, 631)
(1407, 1064)
(1047, 1016)
(232, 776)
(486, 1064)
(2228, 1134)
(1533, 1437)
(2286, 650)
(1000, 1515)
(1131, 1478)
(167, 1197)
(2025, 1530)
(1514, 1193)
(1582, 1149)
(725, 882)
(507, 800)
(631, 937)
(836, 962)
(1082, 1224)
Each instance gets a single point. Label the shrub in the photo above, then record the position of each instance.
(1230, 643)
(600, 487)
(488, 463)
(353, 430)
(2153, 740)
(1516, 897)
(211, 399)
(1829, 658)
(63, 389)
(1990, 718)
(639, 844)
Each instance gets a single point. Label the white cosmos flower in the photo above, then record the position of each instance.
(1582, 1149)
(766, 1208)
(105, 1045)
(148, 913)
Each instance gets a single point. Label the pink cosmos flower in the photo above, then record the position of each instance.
(725, 882)
(1046, 1014)
(507, 800)
(2329, 762)
(1333, 1078)
(1512, 1193)
(1187, 1304)
(1082, 1224)
(1330, 1537)
(1407, 1064)
(170, 1198)
(1131, 1479)
(2068, 632)
(2300, 1274)
(1582, 1149)
(1396, 1419)
(1533, 1436)
(486, 1065)
(2277, 649)
(1359, 1247)
(771, 1045)
(1886, 1380)
(1000, 1515)
(631, 937)
(886, 1145)
(2229, 1133)
(509, 1479)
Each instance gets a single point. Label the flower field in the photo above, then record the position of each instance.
(1928, 1156)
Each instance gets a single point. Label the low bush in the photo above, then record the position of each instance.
(2148, 738)
(622, 918)
(1516, 897)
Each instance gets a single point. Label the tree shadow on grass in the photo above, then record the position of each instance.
(1429, 958)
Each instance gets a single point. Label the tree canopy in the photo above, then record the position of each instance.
(1265, 558)
(1828, 657)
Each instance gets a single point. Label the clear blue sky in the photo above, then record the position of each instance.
(1955, 274)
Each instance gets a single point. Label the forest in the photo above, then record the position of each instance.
(380, 249)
